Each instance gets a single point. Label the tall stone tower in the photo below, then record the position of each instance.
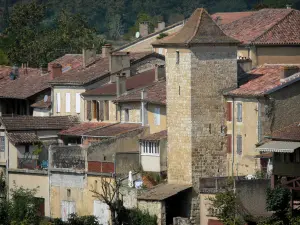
(201, 63)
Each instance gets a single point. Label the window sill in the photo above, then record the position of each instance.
(145, 154)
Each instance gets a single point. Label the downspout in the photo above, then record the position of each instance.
(7, 165)
(142, 106)
(233, 135)
(49, 181)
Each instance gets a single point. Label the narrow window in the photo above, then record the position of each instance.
(239, 112)
(239, 144)
(126, 115)
(106, 106)
(68, 192)
(26, 148)
(229, 111)
(78, 102)
(2, 143)
(68, 102)
(94, 106)
(160, 51)
(229, 141)
(88, 110)
(58, 102)
(177, 57)
(157, 116)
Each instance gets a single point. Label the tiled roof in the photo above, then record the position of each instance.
(229, 17)
(154, 93)
(156, 136)
(114, 130)
(95, 71)
(262, 80)
(199, 29)
(83, 128)
(23, 138)
(162, 191)
(267, 26)
(38, 122)
(101, 167)
(69, 62)
(135, 81)
(29, 82)
(42, 104)
(288, 133)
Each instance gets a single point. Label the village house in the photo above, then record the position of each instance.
(266, 36)
(266, 100)
(24, 151)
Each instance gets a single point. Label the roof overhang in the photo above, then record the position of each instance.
(279, 146)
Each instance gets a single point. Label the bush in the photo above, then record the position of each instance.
(77, 220)
(138, 217)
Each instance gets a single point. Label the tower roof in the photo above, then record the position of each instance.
(199, 29)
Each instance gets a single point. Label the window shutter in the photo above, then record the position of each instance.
(98, 110)
(78, 102)
(68, 102)
(229, 142)
(58, 102)
(88, 110)
(157, 116)
(239, 112)
(229, 111)
(101, 111)
(239, 144)
(106, 110)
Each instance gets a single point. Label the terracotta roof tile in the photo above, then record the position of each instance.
(135, 81)
(101, 167)
(83, 128)
(261, 80)
(23, 138)
(288, 133)
(156, 136)
(199, 29)
(155, 93)
(38, 122)
(69, 62)
(114, 130)
(267, 26)
(229, 17)
(97, 70)
(42, 104)
(29, 82)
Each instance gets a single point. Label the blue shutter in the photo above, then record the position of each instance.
(239, 112)
(239, 144)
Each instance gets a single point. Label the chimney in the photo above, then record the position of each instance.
(144, 29)
(159, 72)
(161, 25)
(288, 71)
(106, 50)
(121, 84)
(119, 61)
(88, 57)
(56, 70)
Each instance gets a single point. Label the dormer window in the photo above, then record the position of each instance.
(177, 57)
(149, 148)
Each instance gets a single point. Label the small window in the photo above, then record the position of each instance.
(68, 102)
(58, 102)
(126, 115)
(157, 116)
(239, 112)
(68, 192)
(95, 185)
(160, 51)
(177, 57)
(150, 148)
(239, 144)
(2, 143)
(26, 148)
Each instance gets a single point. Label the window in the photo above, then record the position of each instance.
(239, 112)
(68, 192)
(68, 102)
(2, 143)
(88, 110)
(229, 141)
(229, 111)
(77, 102)
(239, 146)
(58, 102)
(157, 116)
(160, 51)
(149, 148)
(94, 106)
(126, 115)
(26, 148)
(106, 108)
(177, 57)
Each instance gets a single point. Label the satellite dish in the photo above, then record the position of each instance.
(137, 34)
(45, 98)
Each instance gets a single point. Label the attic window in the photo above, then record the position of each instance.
(177, 57)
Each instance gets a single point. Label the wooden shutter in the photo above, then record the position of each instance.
(101, 111)
(229, 111)
(94, 105)
(68, 102)
(229, 142)
(88, 110)
(106, 110)
(77, 102)
(98, 110)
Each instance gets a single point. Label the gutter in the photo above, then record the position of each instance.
(233, 136)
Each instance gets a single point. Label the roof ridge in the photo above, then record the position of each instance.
(278, 22)
(99, 128)
(197, 27)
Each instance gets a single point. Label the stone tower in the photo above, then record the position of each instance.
(201, 63)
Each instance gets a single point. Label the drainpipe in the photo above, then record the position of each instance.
(143, 107)
(233, 136)
(7, 166)
(49, 181)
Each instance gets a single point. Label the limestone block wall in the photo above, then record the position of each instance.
(154, 208)
(134, 112)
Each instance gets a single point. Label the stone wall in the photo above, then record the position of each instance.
(146, 65)
(127, 161)
(155, 208)
(134, 110)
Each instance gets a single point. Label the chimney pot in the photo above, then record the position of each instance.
(161, 25)
(121, 84)
(144, 29)
(106, 50)
(56, 70)
(288, 71)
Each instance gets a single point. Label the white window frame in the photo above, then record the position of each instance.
(78, 99)
(58, 102)
(157, 116)
(150, 148)
(68, 102)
